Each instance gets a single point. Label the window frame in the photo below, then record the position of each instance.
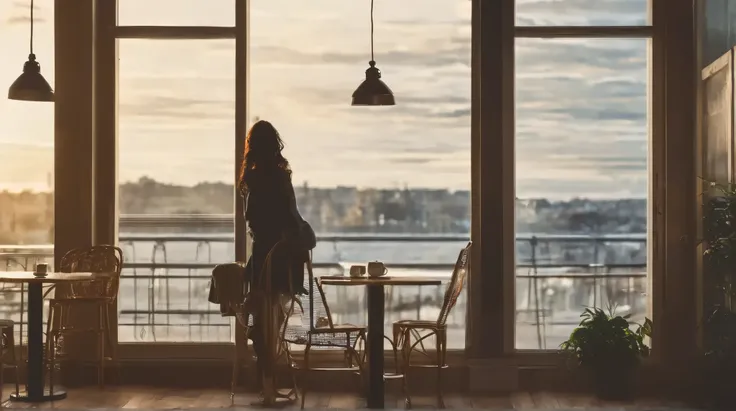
(655, 101)
(491, 307)
(107, 34)
(493, 275)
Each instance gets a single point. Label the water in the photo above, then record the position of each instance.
(169, 297)
(558, 301)
(171, 304)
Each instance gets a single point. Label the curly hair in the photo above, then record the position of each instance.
(263, 146)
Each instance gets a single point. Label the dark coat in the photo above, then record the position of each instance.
(272, 216)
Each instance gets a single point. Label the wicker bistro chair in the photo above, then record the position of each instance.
(311, 325)
(409, 335)
(83, 294)
(228, 286)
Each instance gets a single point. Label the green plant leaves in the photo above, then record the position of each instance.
(605, 339)
(719, 263)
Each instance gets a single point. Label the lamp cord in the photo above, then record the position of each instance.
(371, 30)
(31, 26)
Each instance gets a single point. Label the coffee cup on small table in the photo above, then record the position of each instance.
(357, 270)
(42, 269)
(377, 269)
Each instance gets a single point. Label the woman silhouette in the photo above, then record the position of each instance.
(273, 221)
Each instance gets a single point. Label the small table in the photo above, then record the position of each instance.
(375, 323)
(36, 391)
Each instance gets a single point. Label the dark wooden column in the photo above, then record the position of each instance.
(491, 289)
(105, 133)
(242, 78)
(676, 342)
(105, 164)
(73, 136)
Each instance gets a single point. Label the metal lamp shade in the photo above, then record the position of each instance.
(31, 86)
(372, 91)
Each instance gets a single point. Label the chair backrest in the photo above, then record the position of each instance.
(319, 309)
(314, 303)
(313, 310)
(457, 282)
(95, 259)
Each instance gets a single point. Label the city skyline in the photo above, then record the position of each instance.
(581, 104)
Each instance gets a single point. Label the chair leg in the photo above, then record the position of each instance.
(440, 347)
(353, 361)
(405, 337)
(111, 346)
(290, 364)
(49, 343)
(236, 369)
(101, 345)
(54, 338)
(305, 372)
(3, 347)
(14, 361)
(398, 367)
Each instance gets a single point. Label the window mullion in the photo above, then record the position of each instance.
(174, 32)
(583, 31)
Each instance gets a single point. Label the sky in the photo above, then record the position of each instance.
(581, 113)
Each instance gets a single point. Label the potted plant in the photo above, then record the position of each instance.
(719, 374)
(719, 273)
(606, 345)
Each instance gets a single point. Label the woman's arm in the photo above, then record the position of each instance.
(294, 218)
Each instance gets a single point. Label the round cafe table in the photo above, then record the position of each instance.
(375, 288)
(36, 391)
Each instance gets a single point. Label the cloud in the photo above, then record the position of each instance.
(458, 52)
(178, 108)
(581, 108)
(24, 20)
(20, 14)
(581, 12)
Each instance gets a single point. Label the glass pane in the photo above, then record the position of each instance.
(719, 29)
(26, 155)
(581, 164)
(367, 175)
(582, 12)
(177, 126)
(176, 12)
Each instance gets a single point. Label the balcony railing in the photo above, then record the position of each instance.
(163, 290)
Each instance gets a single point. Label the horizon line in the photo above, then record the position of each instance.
(518, 199)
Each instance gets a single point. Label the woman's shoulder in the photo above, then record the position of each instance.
(269, 179)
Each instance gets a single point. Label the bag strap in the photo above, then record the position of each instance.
(311, 290)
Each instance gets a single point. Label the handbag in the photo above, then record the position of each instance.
(306, 239)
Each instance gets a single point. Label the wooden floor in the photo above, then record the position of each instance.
(171, 398)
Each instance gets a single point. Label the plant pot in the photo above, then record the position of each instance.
(614, 383)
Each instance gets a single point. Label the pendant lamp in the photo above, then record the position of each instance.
(31, 86)
(373, 91)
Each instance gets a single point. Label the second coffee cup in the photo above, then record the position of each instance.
(357, 270)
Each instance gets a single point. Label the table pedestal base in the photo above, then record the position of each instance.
(59, 394)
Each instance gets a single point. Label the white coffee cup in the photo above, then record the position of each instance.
(377, 269)
(357, 270)
(41, 270)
